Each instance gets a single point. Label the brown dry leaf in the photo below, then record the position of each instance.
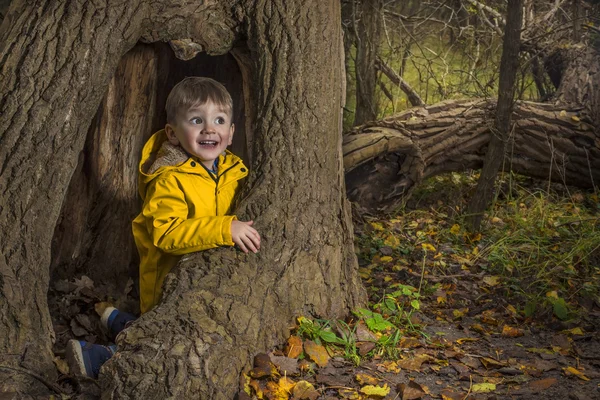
(466, 339)
(572, 371)
(509, 331)
(491, 280)
(294, 347)
(286, 365)
(409, 343)
(491, 363)
(363, 334)
(479, 329)
(365, 347)
(366, 379)
(61, 365)
(317, 353)
(349, 394)
(412, 391)
(414, 364)
(487, 317)
(263, 367)
(101, 306)
(542, 384)
(255, 385)
(449, 394)
(305, 391)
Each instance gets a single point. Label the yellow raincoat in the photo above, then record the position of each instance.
(185, 210)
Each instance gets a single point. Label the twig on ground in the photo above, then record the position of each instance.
(52, 386)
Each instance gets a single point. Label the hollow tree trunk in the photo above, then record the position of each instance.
(220, 307)
(57, 59)
(385, 160)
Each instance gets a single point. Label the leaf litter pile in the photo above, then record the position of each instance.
(512, 311)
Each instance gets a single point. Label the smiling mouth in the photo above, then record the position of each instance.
(211, 143)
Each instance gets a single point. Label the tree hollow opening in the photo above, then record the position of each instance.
(93, 234)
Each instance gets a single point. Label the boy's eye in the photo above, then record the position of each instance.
(220, 120)
(196, 120)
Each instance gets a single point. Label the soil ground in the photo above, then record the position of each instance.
(459, 330)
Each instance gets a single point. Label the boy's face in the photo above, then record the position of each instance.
(203, 131)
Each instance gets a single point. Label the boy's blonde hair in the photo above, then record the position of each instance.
(194, 91)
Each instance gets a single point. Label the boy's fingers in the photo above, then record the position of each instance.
(250, 244)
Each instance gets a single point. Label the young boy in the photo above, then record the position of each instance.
(187, 180)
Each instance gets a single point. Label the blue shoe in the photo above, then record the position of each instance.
(86, 358)
(115, 321)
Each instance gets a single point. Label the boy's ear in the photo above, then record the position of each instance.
(231, 131)
(170, 131)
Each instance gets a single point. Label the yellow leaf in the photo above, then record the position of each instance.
(317, 353)
(386, 259)
(286, 384)
(483, 387)
(392, 241)
(509, 331)
(441, 300)
(575, 118)
(563, 113)
(366, 379)
(491, 280)
(427, 247)
(377, 226)
(475, 250)
(305, 390)
(512, 309)
(455, 229)
(466, 339)
(387, 279)
(388, 366)
(371, 390)
(552, 294)
(572, 371)
(574, 331)
(459, 313)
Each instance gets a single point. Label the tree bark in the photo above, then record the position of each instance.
(57, 59)
(506, 94)
(368, 36)
(385, 160)
(221, 307)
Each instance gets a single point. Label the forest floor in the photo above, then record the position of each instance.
(510, 312)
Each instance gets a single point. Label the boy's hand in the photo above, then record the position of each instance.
(245, 236)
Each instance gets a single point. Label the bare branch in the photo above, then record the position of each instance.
(413, 96)
(489, 9)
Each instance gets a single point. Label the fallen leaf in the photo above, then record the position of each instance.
(412, 391)
(83, 282)
(542, 384)
(414, 364)
(409, 343)
(275, 392)
(317, 353)
(349, 394)
(491, 363)
(305, 391)
(286, 365)
(449, 394)
(386, 259)
(365, 347)
(263, 367)
(388, 366)
(509, 331)
(483, 387)
(572, 371)
(427, 247)
(466, 339)
(286, 384)
(377, 226)
(379, 391)
(574, 331)
(294, 347)
(455, 229)
(491, 280)
(366, 379)
(61, 365)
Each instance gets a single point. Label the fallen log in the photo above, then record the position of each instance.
(385, 160)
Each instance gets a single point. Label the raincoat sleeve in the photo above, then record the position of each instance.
(166, 214)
